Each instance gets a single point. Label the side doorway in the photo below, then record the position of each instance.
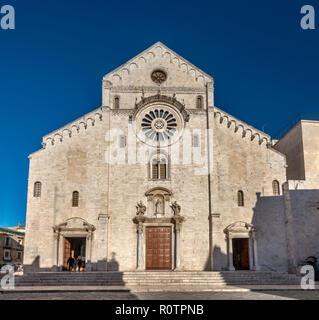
(241, 253)
(74, 247)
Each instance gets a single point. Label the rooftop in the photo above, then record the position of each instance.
(301, 116)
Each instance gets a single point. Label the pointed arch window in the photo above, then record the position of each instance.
(240, 198)
(199, 102)
(37, 189)
(75, 199)
(276, 188)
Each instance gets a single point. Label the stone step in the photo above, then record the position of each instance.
(86, 283)
(157, 278)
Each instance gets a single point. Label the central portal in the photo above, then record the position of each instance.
(158, 248)
(74, 247)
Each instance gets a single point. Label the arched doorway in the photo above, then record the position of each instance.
(73, 238)
(241, 246)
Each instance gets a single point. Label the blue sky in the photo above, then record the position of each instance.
(265, 66)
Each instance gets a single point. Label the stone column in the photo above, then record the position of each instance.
(102, 242)
(60, 253)
(56, 251)
(177, 245)
(88, 253)
(255, 255)
(230, 254)
(140, 246)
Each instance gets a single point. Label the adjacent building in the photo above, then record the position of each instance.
(12, 246)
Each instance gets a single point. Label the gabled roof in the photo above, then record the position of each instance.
(164, 49)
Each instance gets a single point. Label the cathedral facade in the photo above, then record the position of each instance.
(158, 178)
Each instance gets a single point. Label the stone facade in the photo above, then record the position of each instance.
(106, 156)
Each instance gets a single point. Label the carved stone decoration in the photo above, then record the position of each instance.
(176, 208)
(159, 204)
(141, 209)
(158, 200)
(165, 99)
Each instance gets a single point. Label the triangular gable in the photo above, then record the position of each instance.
(159, 49)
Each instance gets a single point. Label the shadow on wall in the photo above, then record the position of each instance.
(219, 258)
(113, 265)
(270, 219)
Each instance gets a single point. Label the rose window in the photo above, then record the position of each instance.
(159, 125)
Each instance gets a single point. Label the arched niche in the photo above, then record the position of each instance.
(158, 202)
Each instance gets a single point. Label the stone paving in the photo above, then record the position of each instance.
(252, 295)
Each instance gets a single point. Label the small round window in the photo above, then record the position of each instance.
(159, 76)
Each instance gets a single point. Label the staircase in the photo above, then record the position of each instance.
(158, 279)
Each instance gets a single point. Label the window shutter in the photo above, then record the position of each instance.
(163, 171)
(37, 190)
(154, 170)
(275, 187)
(240, 198)
(75, 199)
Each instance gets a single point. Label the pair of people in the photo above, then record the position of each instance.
(72, 262)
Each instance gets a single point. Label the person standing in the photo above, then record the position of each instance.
(79, 263)
(71, 263)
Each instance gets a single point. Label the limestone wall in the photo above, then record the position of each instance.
(292, 146)
(241, 163)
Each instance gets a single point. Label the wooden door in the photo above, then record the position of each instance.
(241, 254)
(67, 252)
(245, 254)
(158, 248)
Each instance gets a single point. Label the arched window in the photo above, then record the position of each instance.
(159, 167)
(276, 188)
(37, 189)
(199, 102)
(117, 103)
(75, 199)
(240, 196)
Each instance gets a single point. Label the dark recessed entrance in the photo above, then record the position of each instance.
(74, 247)
(241, 254)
